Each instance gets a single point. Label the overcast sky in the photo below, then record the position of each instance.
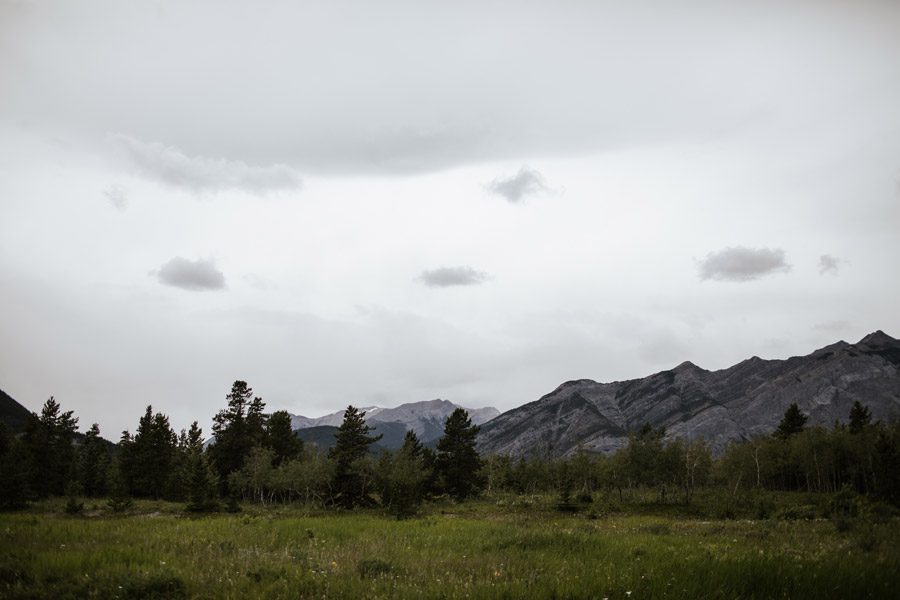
(387, 202)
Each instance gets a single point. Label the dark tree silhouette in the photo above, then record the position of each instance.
(48, 439)
(281, 438)
(792, 422)
(860, 417)
(237, 429)
(402, 477)
(457, 462)
(352, 442)
(149, 457)
(93, 463)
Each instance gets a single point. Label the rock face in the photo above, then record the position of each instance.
(426, 419)
(740, 402)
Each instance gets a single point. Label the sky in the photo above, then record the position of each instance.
(374, 203)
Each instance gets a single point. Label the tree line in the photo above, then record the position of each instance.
(256, 457)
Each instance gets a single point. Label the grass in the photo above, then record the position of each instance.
(474, 550)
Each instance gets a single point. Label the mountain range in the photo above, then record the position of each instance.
(737, 403)
(425, 418)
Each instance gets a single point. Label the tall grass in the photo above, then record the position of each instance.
(476, 550)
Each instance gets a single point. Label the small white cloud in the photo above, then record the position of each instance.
(193, 275)
(526, 182)
(117, 196)
(170, 166)
(452, 276)
(829, 264)
(743, 264)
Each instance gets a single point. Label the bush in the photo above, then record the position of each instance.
(844, 503)
(73, 506)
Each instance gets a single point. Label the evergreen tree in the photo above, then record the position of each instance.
(119, 498)
(458, 464)
(402, 477)
(792, 423)
(352, 442)
(14, 471)
(190, 443)
(49, 440)
(860, 417)
(237, 429)
(93, 462)
(281, 438)
(199, 478)
(152, 455)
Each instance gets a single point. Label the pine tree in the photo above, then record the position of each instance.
(403, 477)
(201, 493)
(458, 464)
(352, 442)
(281, 438)
(119, 498)
(49, 440)
(860, 417)
(14, 471)
(93, 462)
(237, 429)
(792, 423)
(152, 455)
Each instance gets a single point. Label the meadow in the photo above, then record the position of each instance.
(493, 548)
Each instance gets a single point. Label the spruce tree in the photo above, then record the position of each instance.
(151, 455)
(15, 476)
(458, 464)
(93, 462)
(792, 423)
(352, 442)
(49, 440)
(281, 438)
(201, 493)
(403, 477)
(237, 429)
(860, 417)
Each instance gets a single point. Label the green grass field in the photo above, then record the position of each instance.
(476, 550)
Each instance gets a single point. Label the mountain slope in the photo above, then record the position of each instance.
(12, 414)
(736, 403)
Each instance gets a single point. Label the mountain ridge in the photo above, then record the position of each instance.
(737, 402)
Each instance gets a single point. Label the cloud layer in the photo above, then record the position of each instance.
(193, 275)
(526, 182)
(170, 166)
(743, 264)
(452, 276)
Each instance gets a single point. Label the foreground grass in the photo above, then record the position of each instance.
(469, 551)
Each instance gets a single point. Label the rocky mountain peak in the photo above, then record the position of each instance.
(738, 402)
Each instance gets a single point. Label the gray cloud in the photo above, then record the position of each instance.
(194, 275)
(117, 196)
(451, 276)
(170, 166)
(526, 182)
(829, 264)
(743, 264)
